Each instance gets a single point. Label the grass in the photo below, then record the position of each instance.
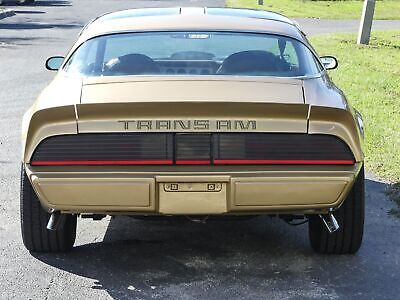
(385, 9)
(370, 78)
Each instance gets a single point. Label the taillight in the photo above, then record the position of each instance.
(192, 149)
(105, 149)
(284, 148)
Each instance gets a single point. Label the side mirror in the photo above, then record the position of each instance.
(329, 62)
(54, 63)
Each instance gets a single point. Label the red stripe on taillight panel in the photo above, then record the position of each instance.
(101, 162)
(281, 162)
(193, 162)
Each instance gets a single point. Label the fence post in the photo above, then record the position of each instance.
(367, 17)
(260, 2)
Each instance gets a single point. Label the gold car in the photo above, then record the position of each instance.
(195, 112)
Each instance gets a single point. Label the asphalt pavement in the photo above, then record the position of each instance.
(312, 26)
(124, 258)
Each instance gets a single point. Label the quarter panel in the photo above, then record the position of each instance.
(338, 122)
(322, 92)
(48, 122)
(64, 90)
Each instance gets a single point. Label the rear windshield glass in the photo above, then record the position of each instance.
(192, 53)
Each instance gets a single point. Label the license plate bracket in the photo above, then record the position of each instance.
(192, 198)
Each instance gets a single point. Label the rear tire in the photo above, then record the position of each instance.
(350, 216)
(35, 235)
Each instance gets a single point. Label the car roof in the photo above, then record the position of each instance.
(191, 18)
(216, 11)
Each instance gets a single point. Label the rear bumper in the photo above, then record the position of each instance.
(284, 190)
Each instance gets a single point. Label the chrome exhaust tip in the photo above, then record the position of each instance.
(330, 222)
(56, 221)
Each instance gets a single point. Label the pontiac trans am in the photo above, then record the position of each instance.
(192, 112)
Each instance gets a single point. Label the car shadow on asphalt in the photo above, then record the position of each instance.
(143, 258)
(12, 42)
(28, 12)
(34, 25)
(139, 258)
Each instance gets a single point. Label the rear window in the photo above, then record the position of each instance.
(193, 53)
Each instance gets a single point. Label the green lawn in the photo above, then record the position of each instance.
(370, 77)
(385, 9)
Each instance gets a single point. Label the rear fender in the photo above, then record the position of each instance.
(338, 122)
(44, 123)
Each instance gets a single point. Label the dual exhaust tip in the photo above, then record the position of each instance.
(56, 221)
(330, 222)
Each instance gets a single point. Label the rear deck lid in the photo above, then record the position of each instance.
(186, 89)
(151, 104)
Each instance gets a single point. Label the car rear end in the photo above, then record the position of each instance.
(241, 153)
(193, 123)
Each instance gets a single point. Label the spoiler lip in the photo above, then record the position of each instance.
(232, 89)
(190, 78)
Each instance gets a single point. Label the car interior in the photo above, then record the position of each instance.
(251, 62)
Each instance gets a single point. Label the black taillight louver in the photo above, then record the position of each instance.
(192, 149)
(105, 149)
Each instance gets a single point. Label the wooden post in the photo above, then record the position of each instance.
(367, 17)
(260, 2)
